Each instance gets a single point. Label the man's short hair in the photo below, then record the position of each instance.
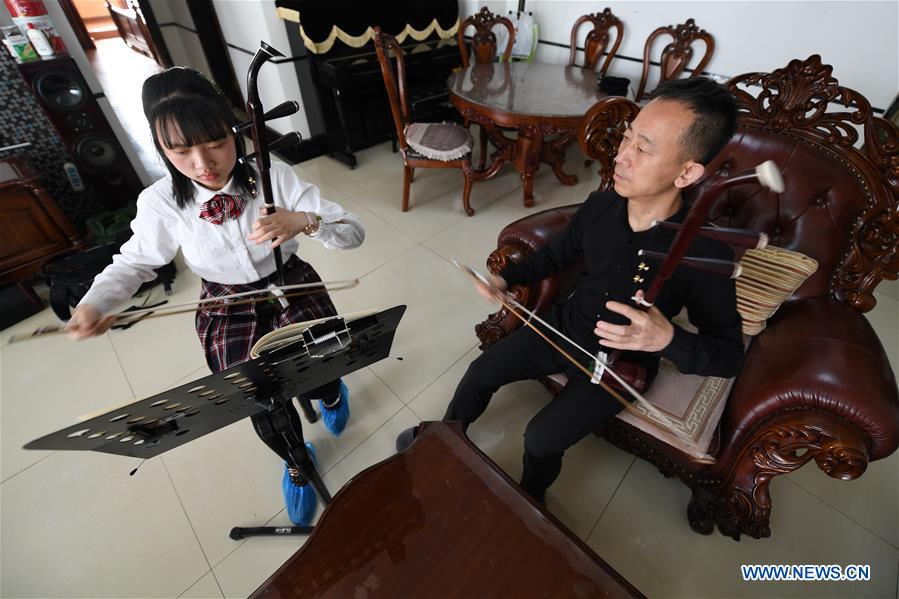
(716, 115)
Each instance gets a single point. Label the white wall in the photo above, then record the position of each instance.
(860, 39)
(244, 24)
(179, 34)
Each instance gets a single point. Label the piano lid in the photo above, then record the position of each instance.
(323, 22)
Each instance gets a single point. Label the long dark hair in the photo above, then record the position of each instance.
(184, 99)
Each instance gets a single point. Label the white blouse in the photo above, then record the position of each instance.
(218, 253)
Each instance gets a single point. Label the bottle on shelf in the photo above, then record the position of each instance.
(39, 41)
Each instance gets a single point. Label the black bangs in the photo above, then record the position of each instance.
(183, 121)
(185, 108)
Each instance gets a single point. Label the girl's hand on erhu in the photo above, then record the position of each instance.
(280, 226)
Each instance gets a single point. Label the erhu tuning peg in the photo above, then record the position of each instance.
(726, 268)
(247, 159)
(285, 141)
(241, 126)
(281, 110)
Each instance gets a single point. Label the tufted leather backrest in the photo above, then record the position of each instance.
(816, 213)
(840, 164)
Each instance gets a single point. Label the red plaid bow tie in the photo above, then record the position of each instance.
(222, 207)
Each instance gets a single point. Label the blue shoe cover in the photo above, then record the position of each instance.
(301, 500)
(335, 418)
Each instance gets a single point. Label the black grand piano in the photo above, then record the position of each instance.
(345, 69)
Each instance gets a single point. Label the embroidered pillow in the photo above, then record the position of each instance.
(769, 276)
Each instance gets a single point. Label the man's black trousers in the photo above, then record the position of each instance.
(578, 410)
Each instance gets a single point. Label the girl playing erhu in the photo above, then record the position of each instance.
(208, 207)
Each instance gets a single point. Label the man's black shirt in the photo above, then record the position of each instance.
(600, 234)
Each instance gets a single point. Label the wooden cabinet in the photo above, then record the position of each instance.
(32, 227)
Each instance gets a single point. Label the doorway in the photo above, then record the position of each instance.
(118, 39)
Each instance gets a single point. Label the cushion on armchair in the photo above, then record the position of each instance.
(769, 276)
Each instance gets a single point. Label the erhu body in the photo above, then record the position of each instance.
(262, 149)
(765, 174)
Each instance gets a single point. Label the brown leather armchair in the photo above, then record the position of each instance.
(815, 384)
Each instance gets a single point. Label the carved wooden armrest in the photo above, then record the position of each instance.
(816, 379)
(501, 323)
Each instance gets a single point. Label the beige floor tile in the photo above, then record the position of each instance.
(233, 462)
(499, 432)
(205, 588)
(47, 383)
(438, 326)
(591, 472)
(376, 165)
(225, 479)
(872, 500)
(380, 445)
(383, 243)
(257, 558)
(76, 525)
(435, 202)
(250, 565)
(431, 403)
(645, 536)
(504, 182)
(171, 340)
(472, 240)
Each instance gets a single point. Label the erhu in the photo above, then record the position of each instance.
(262, 149)
(765, 174)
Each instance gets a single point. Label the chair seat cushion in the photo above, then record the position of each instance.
(438, 141)
(693, 403)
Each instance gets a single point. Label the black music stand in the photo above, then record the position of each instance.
(324, 352)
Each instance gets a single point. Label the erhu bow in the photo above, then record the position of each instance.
(525, 316)
(130, 317)
(261, 147)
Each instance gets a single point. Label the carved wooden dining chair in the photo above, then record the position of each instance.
(597, 40)
(676, 55)
(484, 51)
(422, 145)
(483, 42)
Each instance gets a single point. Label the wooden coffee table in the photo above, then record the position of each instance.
(440, 519)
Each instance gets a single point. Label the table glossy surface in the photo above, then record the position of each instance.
(528, 89)
(440, 519)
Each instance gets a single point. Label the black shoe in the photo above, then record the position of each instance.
(405, 438)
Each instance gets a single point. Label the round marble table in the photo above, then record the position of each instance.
(536, 100)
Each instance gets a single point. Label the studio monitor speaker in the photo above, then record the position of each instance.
(75, 113)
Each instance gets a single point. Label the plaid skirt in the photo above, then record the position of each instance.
(228, 333)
